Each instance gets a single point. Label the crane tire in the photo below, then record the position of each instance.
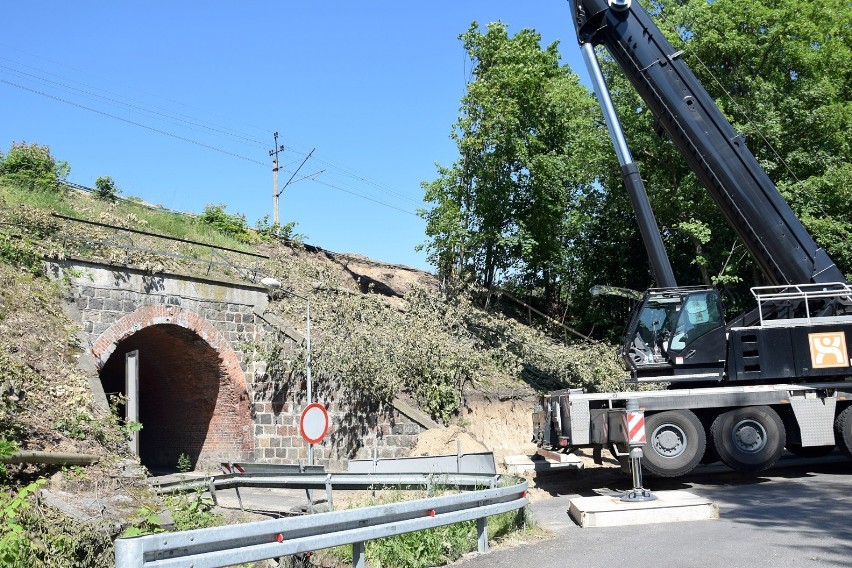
(676, 443)
(749, 439)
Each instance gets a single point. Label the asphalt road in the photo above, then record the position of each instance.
(791, 516)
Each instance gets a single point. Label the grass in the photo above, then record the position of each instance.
(22, 206)
(15, 196)
(125, 212)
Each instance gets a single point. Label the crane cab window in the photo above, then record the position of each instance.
(701, 314)
(670, 321)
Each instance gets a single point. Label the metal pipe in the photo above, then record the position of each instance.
(308, 370)
(648, 229)
(613, 125)
(50, 458)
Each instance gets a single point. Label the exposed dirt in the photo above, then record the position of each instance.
(502, 427)
(505, 428)
(389, 279)
(348, 272)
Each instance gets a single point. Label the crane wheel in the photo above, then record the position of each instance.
(843, 431)
(749, 439)
(676, 443)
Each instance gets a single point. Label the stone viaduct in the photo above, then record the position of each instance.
(203, 391)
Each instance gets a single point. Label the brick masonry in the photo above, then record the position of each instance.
(209, 393)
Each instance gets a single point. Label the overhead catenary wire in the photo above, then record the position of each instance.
(82, 71)
(365, 197)
(339, 173)
(359, 177)
(175, 119)
(134, 123)
(289, 181)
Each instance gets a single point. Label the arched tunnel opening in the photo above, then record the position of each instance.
(187, 403)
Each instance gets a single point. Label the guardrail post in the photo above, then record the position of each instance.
(358, 555)
(211, 487)
(482, 534)
(129, 553)
(328, 494)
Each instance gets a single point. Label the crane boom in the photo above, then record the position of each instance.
(748, 199)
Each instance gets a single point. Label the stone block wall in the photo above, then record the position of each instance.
(116, 303)
(358, 428)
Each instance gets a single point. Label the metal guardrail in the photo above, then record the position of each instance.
(262, 540)
(480, 462)
(330, 481)
(270, 468)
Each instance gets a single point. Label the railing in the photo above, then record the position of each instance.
(251, 542)
(216, 256)
(330, 481)
(802, 295)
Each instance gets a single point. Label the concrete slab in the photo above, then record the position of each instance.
(558, 457)
(670, 507)
(523, 463)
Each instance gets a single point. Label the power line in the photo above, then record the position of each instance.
(359, 177)
(366, 197)
(173, 118)
(134, 123)
(342, 171)
(82, 71)
(178, 119)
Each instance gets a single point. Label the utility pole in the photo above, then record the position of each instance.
(274, 155)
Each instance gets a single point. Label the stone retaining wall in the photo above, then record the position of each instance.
(115, 303)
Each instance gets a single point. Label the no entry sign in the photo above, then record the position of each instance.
(313, 425)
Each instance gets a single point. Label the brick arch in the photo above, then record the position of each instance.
(161, 314)
(229, 436)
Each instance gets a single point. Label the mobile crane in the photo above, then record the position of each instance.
(740, 391)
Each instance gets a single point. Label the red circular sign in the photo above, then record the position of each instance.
(313, 425)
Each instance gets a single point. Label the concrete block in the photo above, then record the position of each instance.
(522, 463)
(558, 457)
(670, 507)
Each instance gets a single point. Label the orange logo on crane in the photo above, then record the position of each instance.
(828, 350)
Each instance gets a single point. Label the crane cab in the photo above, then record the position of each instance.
(676, 334)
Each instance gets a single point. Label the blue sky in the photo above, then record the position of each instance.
(178, 102)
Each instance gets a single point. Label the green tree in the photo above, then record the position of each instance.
(782, 72)
(32, 166)
(536, 199)
(106, 189)
(527, 142)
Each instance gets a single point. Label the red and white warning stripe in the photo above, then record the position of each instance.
(633, 423)
(229, 467)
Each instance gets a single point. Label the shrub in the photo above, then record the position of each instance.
(285, 232)
(233, 225)
(192, 511)
(33, 167)
(106, 189)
